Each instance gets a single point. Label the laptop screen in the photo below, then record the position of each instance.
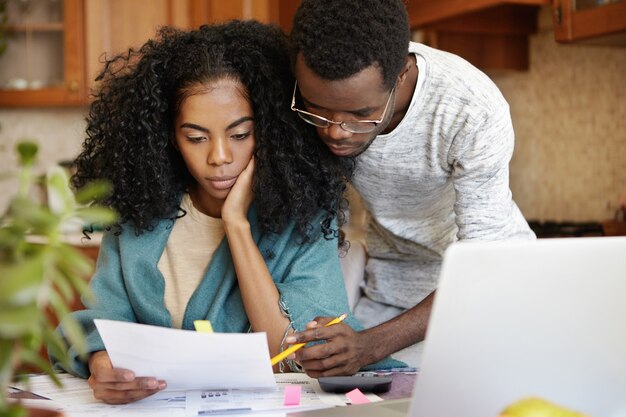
(511, 320)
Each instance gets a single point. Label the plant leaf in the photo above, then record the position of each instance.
(6, 363)
(74, 333)
(95, 190)
(10, 238)
(97, 214)
(75, 269)
(20, 281)
(30, 357)
(57, 347)
(62, 284)
(27, 214)
(71, 329)
(20, 321)
(60, 197)
(58, 306)
(74, 261)
(27, 151)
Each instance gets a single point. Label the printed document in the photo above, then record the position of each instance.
(76, 399)
(188, 359)
(216, 402)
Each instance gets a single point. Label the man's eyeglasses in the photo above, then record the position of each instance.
(352, 126)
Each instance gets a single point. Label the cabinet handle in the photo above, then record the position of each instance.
(73, 86)
(558, 14)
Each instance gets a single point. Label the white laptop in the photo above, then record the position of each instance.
(545, 318)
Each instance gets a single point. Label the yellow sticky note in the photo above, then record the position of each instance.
(203, 326)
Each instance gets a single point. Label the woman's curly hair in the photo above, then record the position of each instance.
(339, 38)
(130, 128)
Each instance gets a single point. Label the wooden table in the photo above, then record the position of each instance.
(401, 387)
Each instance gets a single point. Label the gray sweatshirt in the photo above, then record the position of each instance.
(441, 175)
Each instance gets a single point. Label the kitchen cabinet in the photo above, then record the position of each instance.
(491, 34)
(114, 26)
(590, 21)
(57, 48)
(43, 64)
(279, 12)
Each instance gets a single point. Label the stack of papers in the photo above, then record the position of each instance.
(206, 373)
(75, 399)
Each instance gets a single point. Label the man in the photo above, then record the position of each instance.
(432, 137)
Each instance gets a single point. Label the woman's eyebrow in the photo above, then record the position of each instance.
(239, 121)
(204, 129)
(195, 127)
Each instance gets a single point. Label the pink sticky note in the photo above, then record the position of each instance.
(357, 397)
(292, 394)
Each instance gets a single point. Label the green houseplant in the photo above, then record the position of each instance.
(40, 274)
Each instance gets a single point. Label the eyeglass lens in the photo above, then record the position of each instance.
(353, 127)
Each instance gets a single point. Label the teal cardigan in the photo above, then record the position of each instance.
(128, 286)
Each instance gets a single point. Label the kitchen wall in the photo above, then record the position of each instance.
(59, 133)
(569, 114)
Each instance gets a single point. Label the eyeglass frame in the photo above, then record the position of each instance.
(342, 123)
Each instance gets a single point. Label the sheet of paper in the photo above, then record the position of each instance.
(76, 399)
(74, 390)
(188, 359)
(98, 409)
(232, 401)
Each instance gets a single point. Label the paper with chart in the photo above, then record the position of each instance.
(210, 402)
(187, 359)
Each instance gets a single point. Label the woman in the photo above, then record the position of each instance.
(227, 202)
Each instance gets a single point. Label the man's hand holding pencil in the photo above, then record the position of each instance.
(291, 350)
(342, 353)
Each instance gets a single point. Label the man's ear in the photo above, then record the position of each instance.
(405, 69)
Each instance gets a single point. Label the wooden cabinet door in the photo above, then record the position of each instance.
(491, 34)
(279, 12)
(603, 24)
(114, 26)
(44, 61)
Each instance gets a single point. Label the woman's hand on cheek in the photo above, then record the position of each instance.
(240, 197)
(118, 386)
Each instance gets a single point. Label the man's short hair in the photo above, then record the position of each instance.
(339, 38)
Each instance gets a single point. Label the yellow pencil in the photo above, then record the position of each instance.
(282, 355)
